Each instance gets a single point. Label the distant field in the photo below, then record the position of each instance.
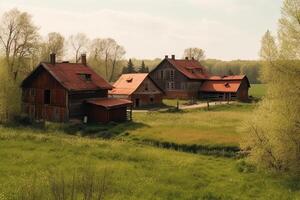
(257, 90)
(40, 163)
(215, 127)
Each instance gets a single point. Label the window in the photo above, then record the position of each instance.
(85, 77)
(47, 96)
(170, 85)
(151, 100)
(171, 75)
(146, 86)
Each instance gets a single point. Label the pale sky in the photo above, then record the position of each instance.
(225, 29)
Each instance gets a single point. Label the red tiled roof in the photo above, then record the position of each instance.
(128, 83)
(190, 68)
(68, 75)
(220, 86)
(109, 103)
(233, 77)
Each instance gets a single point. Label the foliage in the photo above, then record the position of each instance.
(129, 69)
(106, 53)
(273, 131)
(54, 43)
(143, 68)
(19, 39)
(194, 53)
(234, 67)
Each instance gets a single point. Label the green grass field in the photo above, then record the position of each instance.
(56, 161)
(217, 126)
(30, 158)
(257, 90)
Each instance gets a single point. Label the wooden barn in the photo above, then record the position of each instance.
(139, 88)
(179, 78)
(63, 91)
(188, 79)
(225, 88)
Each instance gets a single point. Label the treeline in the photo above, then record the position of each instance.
(235, 67)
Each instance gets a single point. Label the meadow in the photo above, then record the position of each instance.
(63, 161)
(41, 164)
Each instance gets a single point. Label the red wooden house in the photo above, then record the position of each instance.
(63, 91)
(139, 88)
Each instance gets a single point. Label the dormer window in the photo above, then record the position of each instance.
(85, 77)
(129, 79)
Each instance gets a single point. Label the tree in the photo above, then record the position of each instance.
(54, 44)
(194, 53)
(143, 68)
(19, 38)
(273, 133)
(78, 44)
(130, 67)
(109, 53)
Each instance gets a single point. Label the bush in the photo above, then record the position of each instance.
(243, 166)
(22, 119)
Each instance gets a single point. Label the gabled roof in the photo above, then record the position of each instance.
(192, 69)
(110, 103)
(223, 83)
(68, 75)
(128, 83)
(232, 77)
(220, 86)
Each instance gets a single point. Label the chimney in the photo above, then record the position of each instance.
(166, 56)
(83, 59)
(187, 58)
(173, 57)
(52, 58)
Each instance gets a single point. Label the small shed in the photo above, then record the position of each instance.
(225, 88)
(107, 109)
(139, 88)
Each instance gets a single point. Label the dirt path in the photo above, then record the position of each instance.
(186, 107)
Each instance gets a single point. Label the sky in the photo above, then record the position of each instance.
(148, 29)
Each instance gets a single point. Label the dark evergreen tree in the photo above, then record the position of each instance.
(130, 67)
(143, 68)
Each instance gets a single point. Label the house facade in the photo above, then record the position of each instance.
(179, 78)
(188, 79)
(139, 88)
(63, 91)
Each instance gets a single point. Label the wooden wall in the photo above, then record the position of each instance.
(184, 88)
(33, 98)
(100, 114)
(77, 98)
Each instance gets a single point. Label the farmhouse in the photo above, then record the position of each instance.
(139, 88)
(179, 78)
(63, 91)
(188, 79)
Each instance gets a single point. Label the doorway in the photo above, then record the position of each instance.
(137, 102)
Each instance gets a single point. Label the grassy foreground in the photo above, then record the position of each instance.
(29, 158)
